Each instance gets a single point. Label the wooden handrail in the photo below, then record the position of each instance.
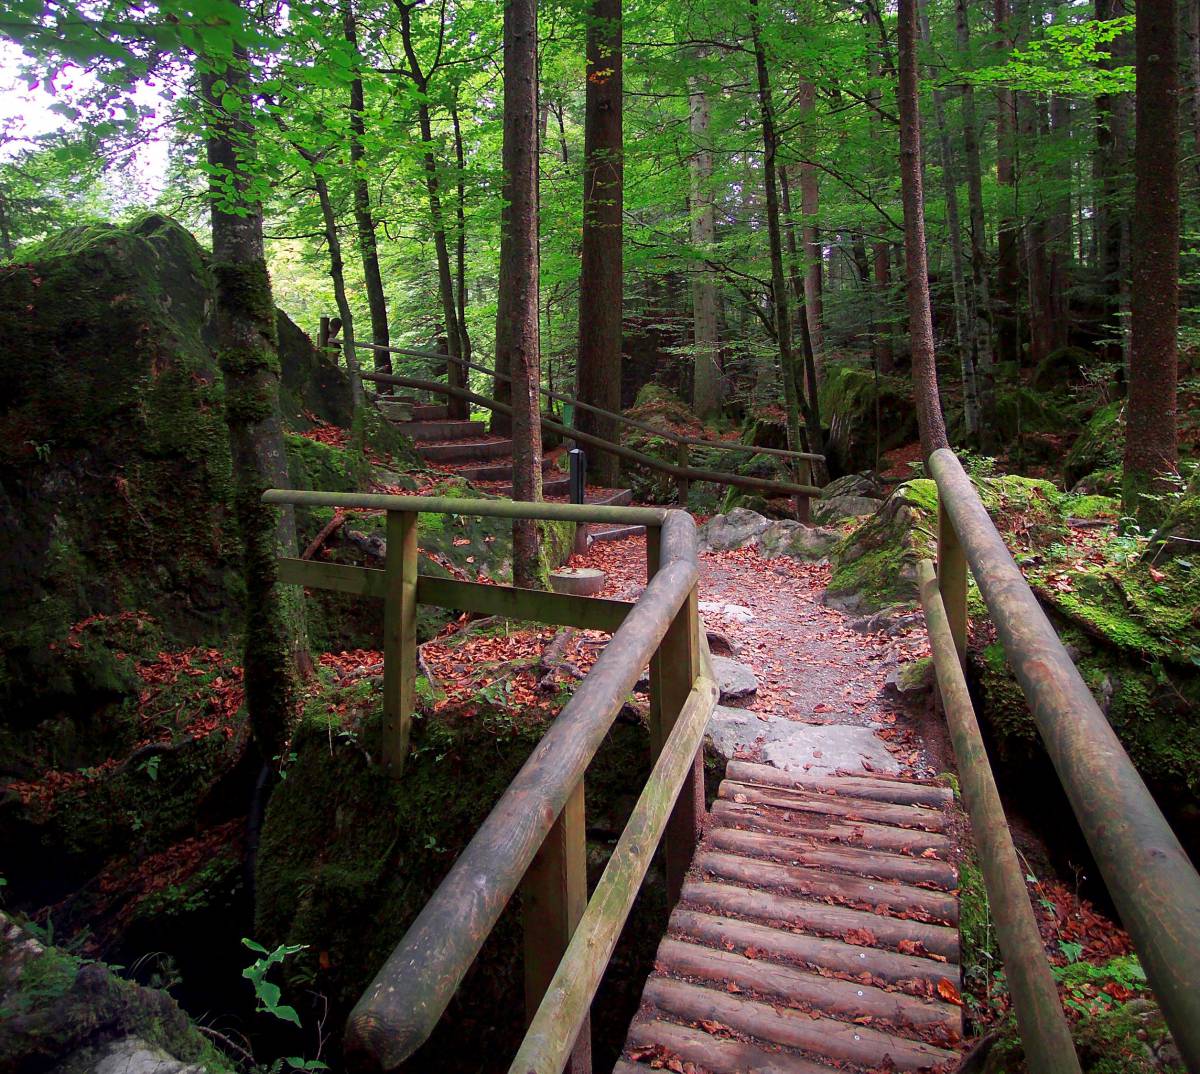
(681, 473)
(400, 1008)
(1153, 884)
(1040, 1019)
(666, 434)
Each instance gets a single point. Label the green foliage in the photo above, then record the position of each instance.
(267, 994)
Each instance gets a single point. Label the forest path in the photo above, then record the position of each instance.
(823, 701)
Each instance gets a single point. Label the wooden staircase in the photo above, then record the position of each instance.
(817, 931)
(468, 450)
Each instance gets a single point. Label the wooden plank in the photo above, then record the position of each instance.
(569, 997)
(673, 669)
(802, 988)
(840, 1041)
(553, 899)
(856, 890)
(530, 605)
(850, 808)
(765, 818)
(880, 789)
(399, 637)
(940, 874)
(718, 1055)
(768, 908)
(888, 966)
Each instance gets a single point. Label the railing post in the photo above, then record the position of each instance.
(681, 482)
(553, 899)
(952, 579)
(577, 484)
(399, 637)
(673, 671)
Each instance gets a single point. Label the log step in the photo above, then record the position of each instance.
(495, 471)
(616, 533)
(466, 450)
(442, 430)
(816, 931)
(764, 818)
(430, 412)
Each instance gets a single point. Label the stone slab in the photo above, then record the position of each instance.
(736, 681)
(790, 746)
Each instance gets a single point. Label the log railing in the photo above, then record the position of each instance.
(534, 838)
(1149, 877)
(455, 389)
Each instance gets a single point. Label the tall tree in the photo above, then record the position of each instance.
(1008, 269)
(1151, 443)
(706, 378)
(930, 422)
(517, 341)
(275, 639)
(810, 204)
(364, 219)
(601, 279)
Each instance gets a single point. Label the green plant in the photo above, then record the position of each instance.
(267, 993)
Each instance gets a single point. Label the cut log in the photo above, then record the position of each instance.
(838, 1040)
(809, 852)
(903, 816)
(768, 908)
(577, 581)
(877, 788)
(855, 891)
(829, 829)
(718, 1055)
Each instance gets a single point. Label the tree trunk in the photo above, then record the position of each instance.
(920, 318)
(338, 276)
(884, 353)
(806, 382)
(601, 279)
(964, 313)
(1008, 268)
(363, 218)
(460, 239)
(1151, 448)
(1193, 34)
(457, 408)
(982, 308)
(706, 378)
(275, 645)
(517, 301)
(1030, 120)
(810, 207)
(783, 325)
(1058, 225)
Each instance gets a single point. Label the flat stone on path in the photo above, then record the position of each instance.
(737, 613)
(735, 680)
(799, 747)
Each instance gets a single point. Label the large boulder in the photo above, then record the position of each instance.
(867, 416)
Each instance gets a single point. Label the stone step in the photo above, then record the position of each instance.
(442, 430)
(616, 533)
(495, 471)
(430, 412)
(466, 450)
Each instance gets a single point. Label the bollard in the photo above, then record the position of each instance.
(577, 486)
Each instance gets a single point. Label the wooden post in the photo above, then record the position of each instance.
(803, 503)
(553, 899)
(673, 671)
(323, 335)
(952, 580)
(681, 457)
(399, 637)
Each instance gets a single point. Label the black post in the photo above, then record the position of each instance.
(577, 485)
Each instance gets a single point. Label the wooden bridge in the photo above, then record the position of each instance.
(813, 922)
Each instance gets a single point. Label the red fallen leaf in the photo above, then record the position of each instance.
(948, 991)
(732, 987)
(324, 961)
(859, 937)
(911, 947)
(751, 952)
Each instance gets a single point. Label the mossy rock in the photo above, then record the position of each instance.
(1061, 367)
(849, 396)
(1021, 410)
(309, 382)
(1100, 446)
(349, 855)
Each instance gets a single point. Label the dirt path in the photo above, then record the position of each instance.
(814, 668)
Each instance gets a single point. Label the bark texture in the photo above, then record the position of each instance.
(275, 641)
(706, 378)
(920, 319)
(1151, 447)
(517, 303)
(598, 371)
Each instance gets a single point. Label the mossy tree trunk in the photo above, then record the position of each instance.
(275, 639)
(1151, 440)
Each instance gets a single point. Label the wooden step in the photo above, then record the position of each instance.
(718, 1055)
(495, 471)
(430, 412)
(820, 918)
(616, 533)
(840, 1041)
(901, 816)
(466, 450)
(442, 430)
(876, 788)
(782, 821)
(790, 850)
(815, 932)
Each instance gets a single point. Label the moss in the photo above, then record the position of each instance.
(1100, 446)
(850, 396)
(979, 952)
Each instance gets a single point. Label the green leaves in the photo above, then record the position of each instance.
(267, 993)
